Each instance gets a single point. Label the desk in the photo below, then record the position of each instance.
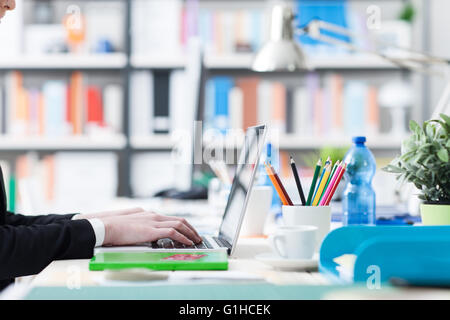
(71, 279)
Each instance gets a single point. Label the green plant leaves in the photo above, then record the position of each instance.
(414, 126)
(425, 159)
(443, 155)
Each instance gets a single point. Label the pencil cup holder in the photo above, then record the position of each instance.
(318, 216)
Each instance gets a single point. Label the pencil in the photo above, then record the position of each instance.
(283, 190)
(330, 185)
(276, 185)
(314, 180)
(339, 178)
(297, 181)
(322, 184)
(320, 180)
(329, 179)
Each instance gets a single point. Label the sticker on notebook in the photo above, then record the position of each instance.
(184, 257)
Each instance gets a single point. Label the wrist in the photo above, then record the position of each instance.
(109, 231)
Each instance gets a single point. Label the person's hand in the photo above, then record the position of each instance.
(105, 214)
(6, 5)
(147, 227)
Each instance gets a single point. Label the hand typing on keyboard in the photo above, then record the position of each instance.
(147, 227)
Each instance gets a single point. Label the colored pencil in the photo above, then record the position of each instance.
(330, 185)
(321, 187)
(297, 182)
(313, 183)
(286, 195)
(329, 179)
(276, 185)
(320, 179)
(339, 178)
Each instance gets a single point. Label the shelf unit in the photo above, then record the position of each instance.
(11, 143)
(126, 63)
(244, 60)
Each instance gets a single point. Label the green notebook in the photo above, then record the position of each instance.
(201, 260)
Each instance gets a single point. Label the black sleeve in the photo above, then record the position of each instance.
(26, 250)
(21, 220)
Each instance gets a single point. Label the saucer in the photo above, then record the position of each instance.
(288, 264)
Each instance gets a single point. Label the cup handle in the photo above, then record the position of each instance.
(274, 241)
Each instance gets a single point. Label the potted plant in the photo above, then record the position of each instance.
(424, 161)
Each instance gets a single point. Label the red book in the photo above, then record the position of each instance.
(249, 87)
(94, 105)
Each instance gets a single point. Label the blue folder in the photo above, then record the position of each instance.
(417, 255)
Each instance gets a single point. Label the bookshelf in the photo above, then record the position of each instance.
(243, 61)
(124, 63)
(116, 142)
(110, 61)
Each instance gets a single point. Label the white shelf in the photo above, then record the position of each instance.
(162, 61)
(65, 61)
(244, 61)
(287, 142)
(163, 141)
(116, 142)
(375, 142)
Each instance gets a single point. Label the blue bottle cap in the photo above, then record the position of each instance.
(359, 139)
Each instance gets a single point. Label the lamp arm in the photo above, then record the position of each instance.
(314, 30)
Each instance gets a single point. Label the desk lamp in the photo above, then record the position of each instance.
(283, 53)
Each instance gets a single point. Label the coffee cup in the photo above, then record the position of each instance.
(294, 242)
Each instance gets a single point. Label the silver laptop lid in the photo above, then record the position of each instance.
(242, 184)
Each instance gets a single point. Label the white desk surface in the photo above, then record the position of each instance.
(63, 273)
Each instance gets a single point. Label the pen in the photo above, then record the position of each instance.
(313, 183)
(297, 181)
(322, 184)
(276, 185)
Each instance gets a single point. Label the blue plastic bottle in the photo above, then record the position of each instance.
(358, 201)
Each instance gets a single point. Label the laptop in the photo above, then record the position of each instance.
(235, 208)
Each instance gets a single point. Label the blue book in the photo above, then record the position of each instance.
(222, 87)
(355, 101)
(54, 93)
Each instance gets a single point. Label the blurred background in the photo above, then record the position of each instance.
(91, 92)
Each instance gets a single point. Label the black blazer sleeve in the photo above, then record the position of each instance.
(26, 250)
(21, 220)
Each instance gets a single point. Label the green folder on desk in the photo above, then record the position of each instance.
(198, 260)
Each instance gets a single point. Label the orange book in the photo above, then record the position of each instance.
(49, 169)
(285, 168)
(76, 102)
(249, 87)
(336, 103)
(279, 107)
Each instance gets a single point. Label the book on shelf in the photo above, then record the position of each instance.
(60, 108)
(65, 181)
(167, 25)
(328, 106)
(158, 103)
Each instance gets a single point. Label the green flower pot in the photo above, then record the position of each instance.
(435, 214)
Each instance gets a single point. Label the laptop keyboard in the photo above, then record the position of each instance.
(170, 244)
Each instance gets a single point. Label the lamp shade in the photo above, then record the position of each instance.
(281, 52)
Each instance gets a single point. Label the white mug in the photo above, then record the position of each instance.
(294, 242)
(318, 216)
(257, 209)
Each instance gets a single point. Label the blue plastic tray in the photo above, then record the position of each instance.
(418, 255)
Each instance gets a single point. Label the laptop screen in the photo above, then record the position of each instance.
(243, 180)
